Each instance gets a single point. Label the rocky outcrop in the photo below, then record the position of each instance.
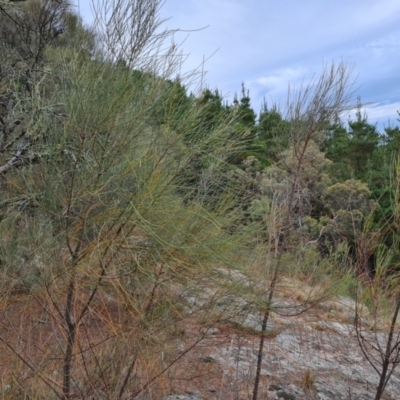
(312, 355)
(310, 358)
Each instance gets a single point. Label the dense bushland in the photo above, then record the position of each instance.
(124, 198)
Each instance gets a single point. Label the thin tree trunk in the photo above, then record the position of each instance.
(264, 329)
(260, 354)
(389, 349)
(71, 333)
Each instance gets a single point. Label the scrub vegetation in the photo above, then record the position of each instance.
(130, 206)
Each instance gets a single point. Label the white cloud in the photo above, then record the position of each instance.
(384, 113)
(278, 79)
(380, 114)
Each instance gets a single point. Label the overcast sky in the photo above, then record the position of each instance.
(270, 44)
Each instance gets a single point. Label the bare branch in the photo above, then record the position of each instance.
(131, 30)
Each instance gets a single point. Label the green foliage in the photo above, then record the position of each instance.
(117, 188)
(351, 195)
(245, 114)
(213, 111)
(272, 137)
(392, 138)
(336, 148)
(364, 140)
(361, 152)
(121, 193)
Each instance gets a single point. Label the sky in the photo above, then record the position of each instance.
(269, 45)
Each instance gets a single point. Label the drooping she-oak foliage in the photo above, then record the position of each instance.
(103, 234)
